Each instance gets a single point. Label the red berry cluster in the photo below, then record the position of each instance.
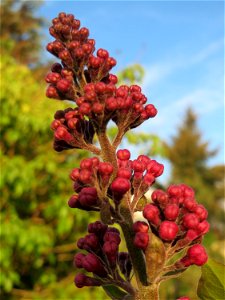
(79, 65)
(196, 255)
(141, 238)
(94, 177)
(116, 184)
(103, 102)
(137, 175)
(175, 215)
(103, 258)
(90, 180)
(71, 130)
(85, 79)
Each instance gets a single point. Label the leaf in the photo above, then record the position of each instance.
(155, 255)
(176, 272)
(211, 285)
(141, 203)
(114, 292)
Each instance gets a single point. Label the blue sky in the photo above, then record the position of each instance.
(180, 44)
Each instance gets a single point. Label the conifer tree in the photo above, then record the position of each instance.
(189, 156)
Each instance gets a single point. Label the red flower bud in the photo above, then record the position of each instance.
(105, 168)
(91, 263)
(97, 227)
(160, 197)
(203, 227)
(88, 196)
(75, 173)
(150, 110)
(102, 53)
(190, 204)
(168, 230)
(191, 234)
(151, 213)
(124, 173)
(140, 226)
(155, 168)
(112, 236)
(171, 212)
(78, 259)
(120, 185)
(174, 190)
(201, 212)
(190, 221)
(141, 240)
(197, 255)
(123, 154)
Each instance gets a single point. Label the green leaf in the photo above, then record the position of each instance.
(212, 282)
(155, 255)
(114, 292)
(141, 203)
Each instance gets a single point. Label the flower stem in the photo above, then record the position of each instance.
(150, 292)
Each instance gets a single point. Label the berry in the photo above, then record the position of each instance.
(112, 237)
(197, 255)
(171, 212)
(75, 173)
(86, 163)
(160, 197)
(124, 173)
(187, 191)
(151, 110)
(148, 179)
(123, 154)
(140, 226)
(191, 234)
(141, 240)
(138, 166)
(203, 227)
(168, 230)
(184, 298)
(190, 204)
(91, 263)
(91, 241)
(105, 168)
(97, 227)
(78, 259)
(201, 212)
(120, 185)
(110, 248)
(190, 221)
(102, 53)
(174, 190)
(155, 168)
(74, 202)
(88, 196)
(151, 213)
(85, 175)
(82, 280)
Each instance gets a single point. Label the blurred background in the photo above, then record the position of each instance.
(175, 51)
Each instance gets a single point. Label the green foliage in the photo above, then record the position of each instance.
(212, 282)
(131, 74)
(34, 186)
(114, 292)
(20, 29)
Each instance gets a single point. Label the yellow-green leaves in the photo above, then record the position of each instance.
(212, 282)
(155, 257)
